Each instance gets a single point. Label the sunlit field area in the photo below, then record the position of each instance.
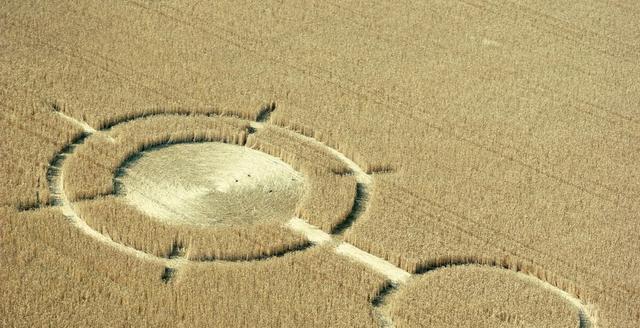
(382, 164)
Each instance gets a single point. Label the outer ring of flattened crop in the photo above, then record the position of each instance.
(60, 198)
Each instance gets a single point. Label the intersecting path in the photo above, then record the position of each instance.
(396, 277)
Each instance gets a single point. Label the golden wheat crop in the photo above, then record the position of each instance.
(92, 169)
(330, 189)
(502, 133)
(125, 224)
(451, 237)
(479, 296)
(301, 154)
(328, 200)
(44, 254)
(24, 167)
(370, 165)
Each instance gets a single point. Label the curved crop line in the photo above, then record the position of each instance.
(280, 253)
(384, 298)
(107, 125)
(57, 165)
(56, 171)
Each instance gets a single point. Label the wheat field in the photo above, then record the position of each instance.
(383, 164)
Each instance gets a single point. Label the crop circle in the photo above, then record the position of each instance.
(211, 183)
(204, 188)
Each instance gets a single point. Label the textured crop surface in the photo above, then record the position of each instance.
(47, 261)
(129, 226)
(320, 163)
(92, 170)
(31, 137)
(476, 296)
